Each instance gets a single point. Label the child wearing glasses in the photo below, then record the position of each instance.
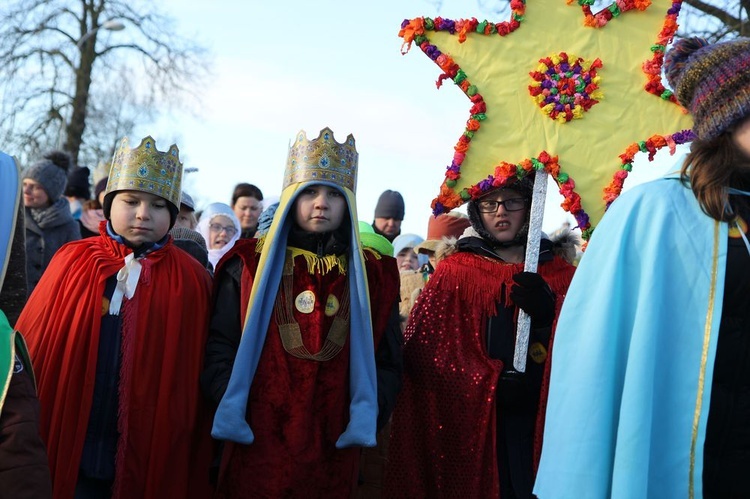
(220, 227)
(466, 423)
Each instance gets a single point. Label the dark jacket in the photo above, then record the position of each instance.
(727, 446)
(13, 291)
(24, 472)
(46, 231)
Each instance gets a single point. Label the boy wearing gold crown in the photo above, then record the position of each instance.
(316, 367)
(116, 330)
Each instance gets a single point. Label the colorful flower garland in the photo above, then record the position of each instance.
(414, 31)
(565, 86)
(652, 69)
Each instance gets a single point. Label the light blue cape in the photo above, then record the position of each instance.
(10, 190)
(634, 352)
(229, 422)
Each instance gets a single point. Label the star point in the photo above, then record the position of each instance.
(560, 88)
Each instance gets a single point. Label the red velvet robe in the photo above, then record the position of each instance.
(443, 428)
(298, 408)
(164, 447)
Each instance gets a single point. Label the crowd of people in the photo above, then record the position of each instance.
(282, 347)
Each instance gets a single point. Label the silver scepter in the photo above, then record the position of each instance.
(530, 265)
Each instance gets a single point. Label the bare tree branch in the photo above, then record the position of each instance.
(714, 11)
(58, 65)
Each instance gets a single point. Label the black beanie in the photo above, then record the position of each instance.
(99, 188)
(78, 183)
(390, 205)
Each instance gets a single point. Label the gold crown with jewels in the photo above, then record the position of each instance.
(147, 169)
(322, 159)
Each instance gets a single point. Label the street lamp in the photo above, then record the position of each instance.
(111, 25)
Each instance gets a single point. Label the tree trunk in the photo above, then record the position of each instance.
(77, 124)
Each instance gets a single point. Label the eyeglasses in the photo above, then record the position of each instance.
(514, 204)
(218, 228)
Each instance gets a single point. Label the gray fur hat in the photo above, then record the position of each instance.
(51, 172)
(191, 241)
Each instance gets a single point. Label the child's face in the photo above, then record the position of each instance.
(407, 260)
(319, 209)
(503, 224)
(221, 230)
(139, 217)
(186, 219)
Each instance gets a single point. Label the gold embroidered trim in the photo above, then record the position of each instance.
(374, 253)
(704, 359)
(289, 331)
(314, 262)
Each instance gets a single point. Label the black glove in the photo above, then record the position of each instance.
(532, 294)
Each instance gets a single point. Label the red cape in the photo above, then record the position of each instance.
(443, 428)
(298, 408)
(164, 448)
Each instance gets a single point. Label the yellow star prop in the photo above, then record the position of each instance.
(560, 88)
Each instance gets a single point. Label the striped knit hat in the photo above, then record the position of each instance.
(712, 81)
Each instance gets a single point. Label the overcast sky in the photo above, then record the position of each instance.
(285, 66)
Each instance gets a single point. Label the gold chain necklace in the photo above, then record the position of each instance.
(291, 336)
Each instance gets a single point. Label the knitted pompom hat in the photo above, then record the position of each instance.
(191, 241)
(79, 185)
(51, 172)
(390, 205)
(99, 187)
(712, 81)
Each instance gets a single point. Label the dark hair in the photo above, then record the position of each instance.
(91, 204)
(711, 167)
(243, 189)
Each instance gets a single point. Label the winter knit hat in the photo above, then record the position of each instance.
(451, 224)
(712, 81)
(51, 172)
(266, 217)
(78, 183)
(390, 205)
(192, 242)
(186, 200)
(405, 241)
(99, 188)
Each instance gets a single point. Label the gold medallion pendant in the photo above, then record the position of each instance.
(305, 302)
(332, 305)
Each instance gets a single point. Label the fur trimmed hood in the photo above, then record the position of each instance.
(565, 244)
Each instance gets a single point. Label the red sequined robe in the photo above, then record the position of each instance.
(164, 421)
(443, 441)
(298, 408)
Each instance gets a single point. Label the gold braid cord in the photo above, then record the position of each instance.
(291, 336)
